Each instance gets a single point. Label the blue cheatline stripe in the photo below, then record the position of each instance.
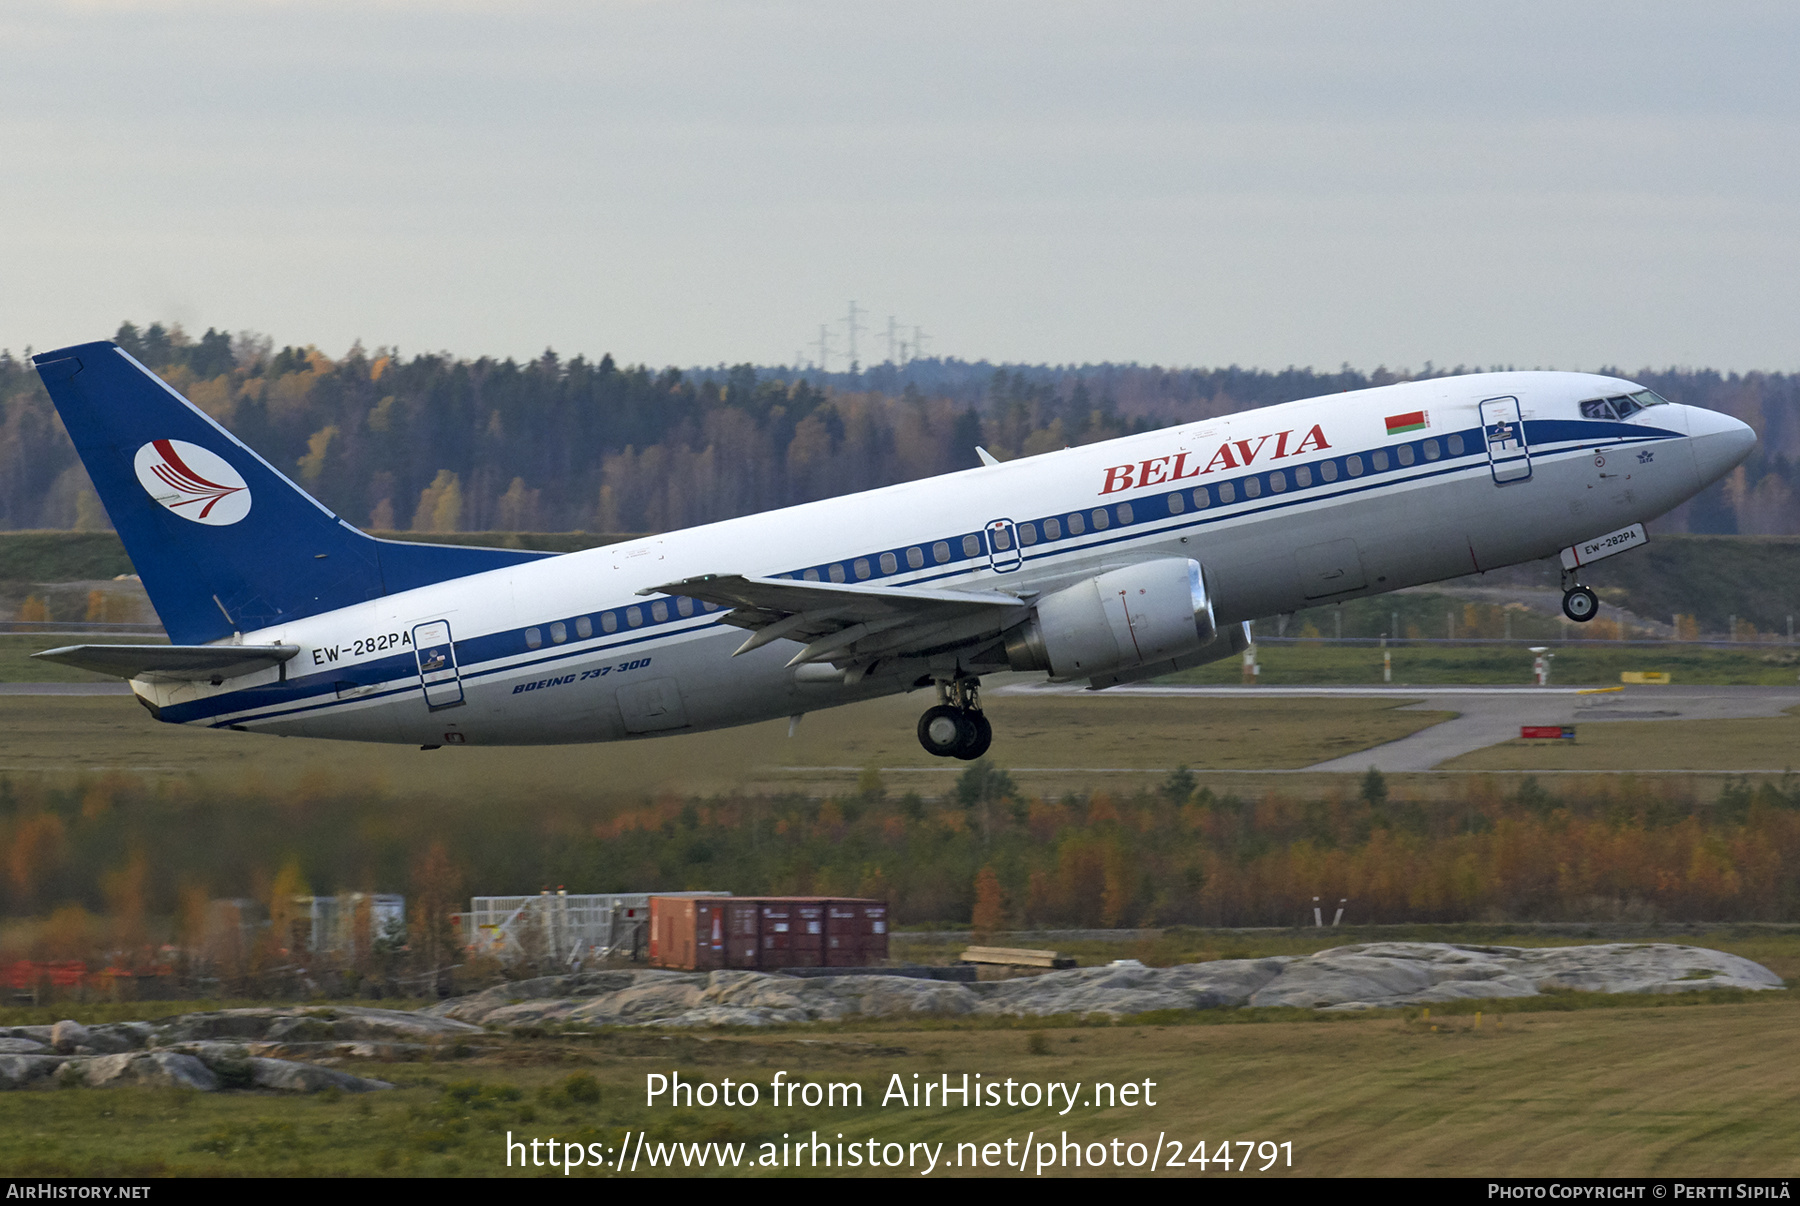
(502, 652)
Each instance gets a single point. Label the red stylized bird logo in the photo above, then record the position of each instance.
(174, 472)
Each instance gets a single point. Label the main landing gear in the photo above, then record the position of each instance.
(956, 727)
(1579, 603)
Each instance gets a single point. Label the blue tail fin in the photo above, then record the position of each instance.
(223, 542)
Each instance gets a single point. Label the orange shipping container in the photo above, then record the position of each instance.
(688, 932)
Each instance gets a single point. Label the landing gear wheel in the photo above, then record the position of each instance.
(1580, 604)
(981, 736)
(944, 731)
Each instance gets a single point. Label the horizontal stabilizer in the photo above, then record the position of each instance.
(171, 663)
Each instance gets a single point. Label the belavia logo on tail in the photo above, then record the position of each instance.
(192, 482)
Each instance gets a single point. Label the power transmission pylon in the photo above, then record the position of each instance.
(853, 326)
(823, 343)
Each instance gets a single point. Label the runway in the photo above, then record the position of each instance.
(1487, 715)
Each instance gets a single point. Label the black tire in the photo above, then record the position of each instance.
(944, 730)
(981, 735)
(1580, 604)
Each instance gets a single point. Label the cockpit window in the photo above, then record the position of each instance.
(1598, 408)
(1649, 397)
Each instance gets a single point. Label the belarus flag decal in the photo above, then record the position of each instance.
(1417, 420)
(192, 482)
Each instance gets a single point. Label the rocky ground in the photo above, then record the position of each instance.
(1370, 976)
(227, 1049)
(286, 1049)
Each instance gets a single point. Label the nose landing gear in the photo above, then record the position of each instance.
(956, 727)
(1579, 603)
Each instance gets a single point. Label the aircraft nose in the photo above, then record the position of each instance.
(1719, 441)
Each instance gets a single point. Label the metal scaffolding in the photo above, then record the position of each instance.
(557, 928)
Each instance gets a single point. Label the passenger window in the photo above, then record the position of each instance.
(1431, 450)
(533, 638)
(609, 622)
(634, 616)
(1354, 465)
(971, 545)
(890, 564)
(659, 611)
(1278, 481)
(1252, 488)
(940, 552)
(1202, 499)
(811, 575)
(1125, 512)
(559, 633)
(1405, 453)
(584, 627)
(1001, 538)
(1456, 445)
(684, 606)
(915, 557)
(1303, 476)
(1379, 459)
(1053, 529)
(1027, 534)
(1101, 519)
(861, 567)
(1227, 493)
(1328, 470)
(1177, 504)
(1076, 526)
(837, 572)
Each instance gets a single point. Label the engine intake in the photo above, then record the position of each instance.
(1151, 612)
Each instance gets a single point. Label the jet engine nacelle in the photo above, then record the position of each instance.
(1151, 612)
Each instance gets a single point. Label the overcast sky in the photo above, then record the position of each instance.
(1561, 184)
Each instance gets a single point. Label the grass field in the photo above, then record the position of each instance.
(1655, 1087)
(52, 735)
(1767, 743)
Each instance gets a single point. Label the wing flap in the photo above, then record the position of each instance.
(171, 663)
(835, 620)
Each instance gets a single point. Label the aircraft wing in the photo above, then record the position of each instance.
(846, 622)
(171, 663)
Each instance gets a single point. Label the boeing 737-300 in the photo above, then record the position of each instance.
(1107, 563)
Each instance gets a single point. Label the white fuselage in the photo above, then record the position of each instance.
(1325, 504)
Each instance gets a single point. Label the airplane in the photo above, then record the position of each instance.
(1109, 563)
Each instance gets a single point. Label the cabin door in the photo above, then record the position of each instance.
(438, 673)
(1504, 431)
